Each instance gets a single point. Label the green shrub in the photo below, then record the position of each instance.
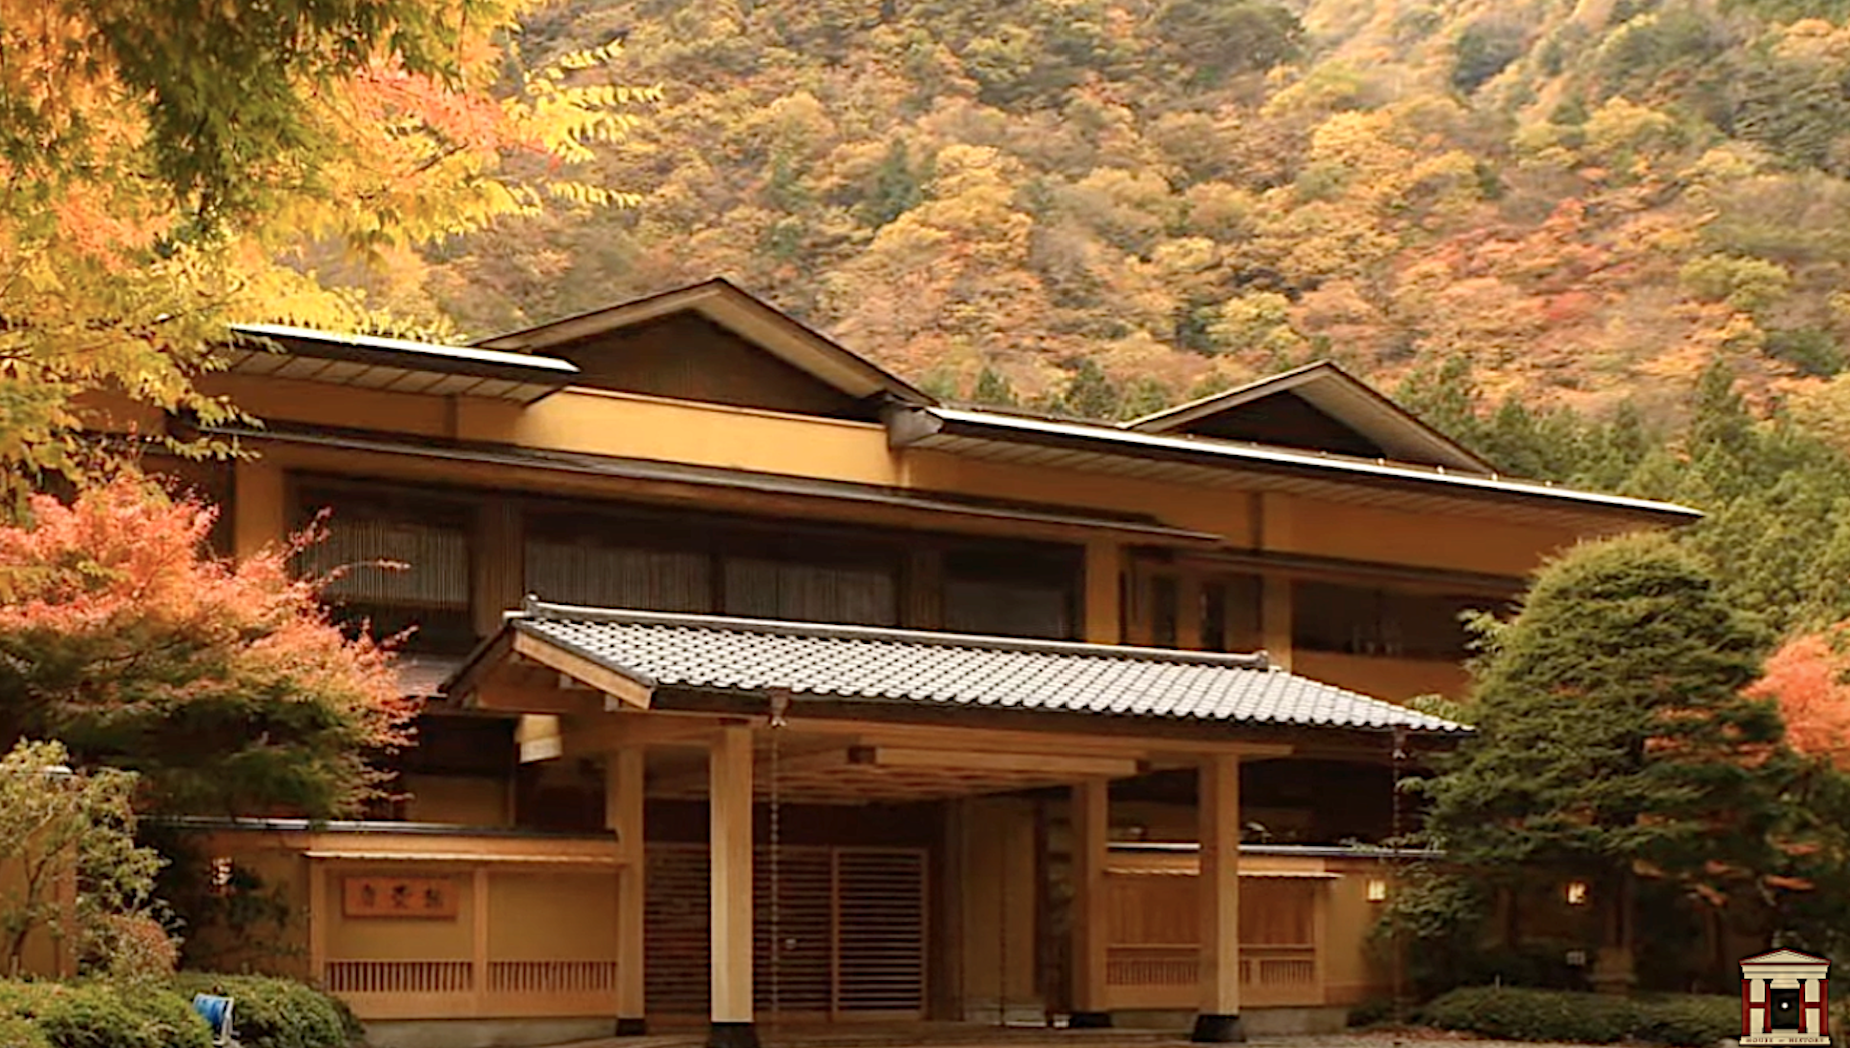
(100, 1015)
(1513, 1014)
(1689, 1020)
(277, 1013)
(21, 1033)
(1516, 1014)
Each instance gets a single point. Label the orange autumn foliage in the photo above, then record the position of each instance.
(1809, 678)
(223, 683)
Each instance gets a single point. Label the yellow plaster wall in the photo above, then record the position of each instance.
(1350, 972)
(997, 885)
(1370, 533)
(1395, 680)
(678, 431)
(458, 800)
(282, 870)
(400, 938)
(552, 916)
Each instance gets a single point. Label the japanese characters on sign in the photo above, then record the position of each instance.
(420, 897)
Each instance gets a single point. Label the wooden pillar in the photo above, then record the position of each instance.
(623, 796)
(1275, 619)
(320, 919)
(1091, 819)
(478, 952)
(729, 781)
(496, 559)
(1104, 595)
(258, 514)
(1219, 810)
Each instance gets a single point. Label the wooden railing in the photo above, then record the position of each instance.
(552, 977)
(399, 977)
(420, 989)
(1168, 975)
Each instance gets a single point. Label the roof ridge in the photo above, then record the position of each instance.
(536, 609)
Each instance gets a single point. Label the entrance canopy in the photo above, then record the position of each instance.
(883, 714)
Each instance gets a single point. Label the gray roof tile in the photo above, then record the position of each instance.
(853, 662)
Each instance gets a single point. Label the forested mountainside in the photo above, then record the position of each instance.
(1586, 200)
(1604, 241)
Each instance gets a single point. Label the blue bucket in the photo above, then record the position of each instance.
(216, 1011)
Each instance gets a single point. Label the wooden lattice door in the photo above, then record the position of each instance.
(850, 932)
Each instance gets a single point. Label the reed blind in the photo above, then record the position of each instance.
(618, 577)
(1007, 609)
(434, 559)
(769, 589)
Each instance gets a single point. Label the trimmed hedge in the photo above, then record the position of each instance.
(97, 1015)
(1515, 1014)
(277, 1013)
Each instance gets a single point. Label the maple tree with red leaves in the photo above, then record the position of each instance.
(1809, 677)
(223, 683)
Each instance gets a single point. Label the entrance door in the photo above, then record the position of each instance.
(849, 930)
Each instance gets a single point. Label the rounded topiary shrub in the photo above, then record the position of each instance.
(102, 1015)
(277, 1013)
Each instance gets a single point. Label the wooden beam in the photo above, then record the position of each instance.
(1040, 765)
(493, 695)
(1219, 884)
(729, 791)
(1091, 818)
(623, 810)
(613, 684)
(539, 737)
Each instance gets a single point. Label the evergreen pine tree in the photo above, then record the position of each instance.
(994, 389)
(1614, 743)
(1091, 393)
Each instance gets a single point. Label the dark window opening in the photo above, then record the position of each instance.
(1165, 615)
(1231, 614)
(1013, 593)
(1357, 621)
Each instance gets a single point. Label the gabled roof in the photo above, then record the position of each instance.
(1785, 956)
(1327, 388)
(725, 304)
(922, 670)
(395, 364)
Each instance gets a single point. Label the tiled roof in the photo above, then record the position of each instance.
(939, 669)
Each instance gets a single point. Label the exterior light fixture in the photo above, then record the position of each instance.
(1576, 893)
(1377, 890)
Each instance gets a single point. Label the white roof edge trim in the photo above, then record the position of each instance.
(1107, 434)
(399, 345)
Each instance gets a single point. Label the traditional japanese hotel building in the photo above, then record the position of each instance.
(765, 687)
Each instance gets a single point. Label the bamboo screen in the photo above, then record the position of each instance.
(1003, 608)
(615, 577)
(768, 589)
(435, 559)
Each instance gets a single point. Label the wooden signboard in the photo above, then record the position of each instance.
(425, 897)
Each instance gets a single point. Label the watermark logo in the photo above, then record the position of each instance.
(1785, 999)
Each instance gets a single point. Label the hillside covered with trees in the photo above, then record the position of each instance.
(1587, 201)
